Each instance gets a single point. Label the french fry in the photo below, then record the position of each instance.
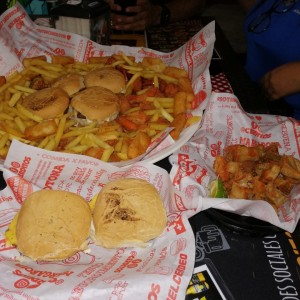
(178, 124)
(148, 110)
(158, 127)
(62, 60)
(74, 142)
(44, 142)
(33, 60)
(118, 145)
(185, 84)
(107, 153)
(180, 103)
(175, 72)
(79, 131)
(51, 75)
(3, 140)
(126, 59)
(4, 116)
(133, 79)
(98, 60)
(122, 156)
(78, 149)
(98, 141)
(60, 130)
(20, 124)
(51, 144)
(3, 152)
(24, 89)
(167, 78)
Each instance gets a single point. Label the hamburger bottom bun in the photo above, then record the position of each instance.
(109, 78)
(128, 213)
(97, 104)
(70, 83)
(47, 103)
(53, 225)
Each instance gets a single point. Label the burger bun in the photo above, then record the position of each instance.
(53, 225)
(109, 78)
(47, 103)
(70, 83)
(128, 213)
(95, 104)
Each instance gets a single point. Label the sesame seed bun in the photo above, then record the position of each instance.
(96, 104)
(47, 103)
(128, 213)
(53, 225)
(70, 83)
(109, 78)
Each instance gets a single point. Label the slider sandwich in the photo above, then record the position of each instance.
(128, 212)
(70, 83)
(47, 103)
(95, 104)
(106, 77)
(51, 225)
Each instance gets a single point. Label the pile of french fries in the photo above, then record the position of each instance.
(258, 173)
(156, 97)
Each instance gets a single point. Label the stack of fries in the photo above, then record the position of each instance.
(156, 97)
(258, 173)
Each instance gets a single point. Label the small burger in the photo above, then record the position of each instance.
(95, 104)
(128, 213)
(109, 78)
(47, 103)
(70, 83)
(51, 225)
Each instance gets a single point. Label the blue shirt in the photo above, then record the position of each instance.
(273, 40)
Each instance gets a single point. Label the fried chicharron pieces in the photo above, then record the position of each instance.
(257, 173)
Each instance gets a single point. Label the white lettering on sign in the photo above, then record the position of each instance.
(280, 269)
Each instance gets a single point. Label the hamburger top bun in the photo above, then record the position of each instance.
(47, 103)
(53, 225)
(128, 212)
(97, 104)
(70, 83)
(109, 78)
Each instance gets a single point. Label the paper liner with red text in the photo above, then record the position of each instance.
(225, 123)
(160, 271)
(20, 38)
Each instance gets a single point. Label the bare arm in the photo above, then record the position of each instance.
(148, 14)
(282, 81)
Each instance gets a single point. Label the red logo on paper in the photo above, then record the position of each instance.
(215, 149)
(177, 225)
(32, 278)
(139, 172)
(179, 203)
(20, 187)
(59, 51)
(188, 168)
(199, 98)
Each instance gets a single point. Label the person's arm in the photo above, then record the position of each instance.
(282, 81)
(148, 14)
